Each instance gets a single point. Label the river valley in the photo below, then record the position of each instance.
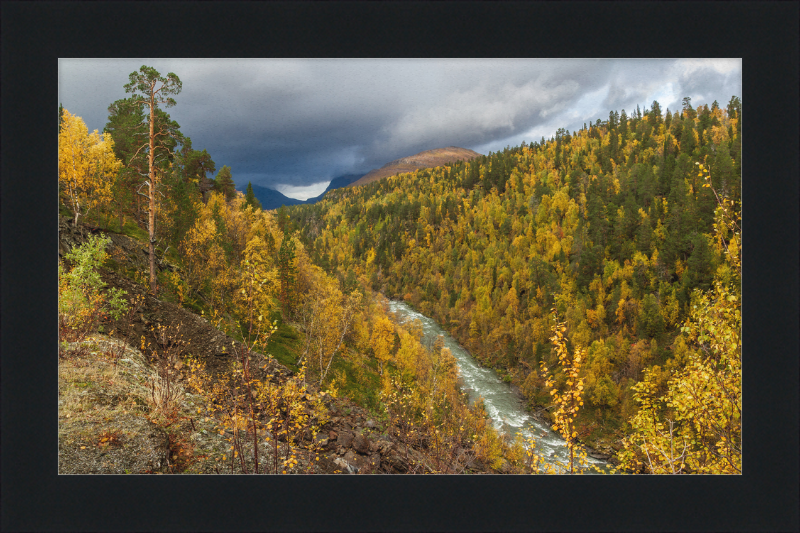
(504, 407)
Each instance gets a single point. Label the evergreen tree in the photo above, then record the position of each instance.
(224, 183)
(687, 108)
(734, 107)
(700, 264)
(287, 272)
(655, 114)
(196, 164)
(150, 89)
(181, 206)
(688, 141)
(250, 197)
(128, 126)
(651, 323)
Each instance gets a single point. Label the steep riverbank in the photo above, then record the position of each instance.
(505, 403)
(108, 423)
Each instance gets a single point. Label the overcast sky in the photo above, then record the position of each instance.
(293, 124)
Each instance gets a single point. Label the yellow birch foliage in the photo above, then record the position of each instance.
(696, 426)
(86, 166)
(382, 339)
(570, 400)
(259, 282)
(325, 317)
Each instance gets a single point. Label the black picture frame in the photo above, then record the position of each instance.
(764, 498)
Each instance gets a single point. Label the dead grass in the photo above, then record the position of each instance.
(93, 385)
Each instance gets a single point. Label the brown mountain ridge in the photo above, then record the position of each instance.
(426, 159)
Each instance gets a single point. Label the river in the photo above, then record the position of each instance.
(504, 407)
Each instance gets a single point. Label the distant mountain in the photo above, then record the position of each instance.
(272, 199)
(426, 159)
(336, 183)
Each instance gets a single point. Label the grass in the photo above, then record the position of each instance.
(91, 386)
(361, 384)
(284, 345)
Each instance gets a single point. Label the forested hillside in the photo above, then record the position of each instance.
(627, 230)
(599, 271)
(222, 325)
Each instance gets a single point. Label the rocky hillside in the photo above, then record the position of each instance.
(107, 423)
(426, 159)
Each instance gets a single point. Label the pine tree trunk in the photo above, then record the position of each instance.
(151, 223)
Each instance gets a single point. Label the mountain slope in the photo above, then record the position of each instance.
(272, 199)
(426, 159)
(336, 183)
(109, 422)
(612, 229)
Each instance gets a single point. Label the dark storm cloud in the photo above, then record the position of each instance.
(301, 122)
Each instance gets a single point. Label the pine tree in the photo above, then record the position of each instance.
(287, 272)
(250, 197)
(224, 183)
(687, 108)
(151, 89)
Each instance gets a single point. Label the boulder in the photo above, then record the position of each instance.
(598, 455)
(345, 439)
(361, 444)
(384, 446)
(375, 462)
(344, 466)
(394, 463)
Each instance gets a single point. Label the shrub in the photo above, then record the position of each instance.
(82, 303)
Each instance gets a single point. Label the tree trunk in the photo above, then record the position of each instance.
(151, 222)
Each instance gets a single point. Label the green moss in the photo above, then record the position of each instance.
(362, 386)
(194, 306)
(135, 232)
(285, 345)
(111, 264)
(65, 211)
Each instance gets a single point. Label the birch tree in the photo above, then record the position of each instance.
(86, 166)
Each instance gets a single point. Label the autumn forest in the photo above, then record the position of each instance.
(597, 272)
